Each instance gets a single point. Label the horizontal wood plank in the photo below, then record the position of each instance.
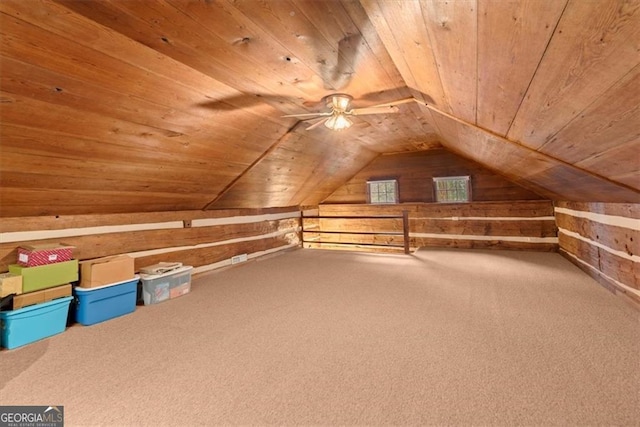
(623, 270)
(617, 238)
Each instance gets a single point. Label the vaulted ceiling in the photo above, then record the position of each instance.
(123, 106)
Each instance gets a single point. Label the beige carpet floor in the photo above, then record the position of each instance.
(310, 337)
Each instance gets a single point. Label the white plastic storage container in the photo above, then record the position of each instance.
(161, 287)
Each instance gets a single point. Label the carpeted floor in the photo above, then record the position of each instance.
(336, 338)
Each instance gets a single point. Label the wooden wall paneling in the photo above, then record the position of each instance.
(617, 238)
(486, 227)
(518, 225)
(214, 254)
(354, 247)
(509, 33)
(376, 239)
(452, 28)
(628, 210)
(603, 240)
(434, 242)
(396, 22)
(98, 245)
(542, 209)
(209, 238)
(592, 39)
(414, 172)
(38, 226)
(620, 269)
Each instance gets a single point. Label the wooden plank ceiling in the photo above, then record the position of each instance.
(122, 106)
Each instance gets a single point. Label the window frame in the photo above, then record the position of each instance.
(385, 181)
(436, 180)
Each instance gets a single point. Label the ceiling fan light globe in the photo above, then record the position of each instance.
(338, 122)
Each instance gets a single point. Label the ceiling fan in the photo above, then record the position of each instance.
(340, 108)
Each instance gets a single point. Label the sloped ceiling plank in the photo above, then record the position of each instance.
(403, 32)
(512, 37)
(65, 130)
(168, 30)
(35, 202)
(122, 84)
(452, 28)
(545, 175)
(595, 45)
(596, 139)
(352, 46)
(381, 59)
(620, 164)
(298, 163)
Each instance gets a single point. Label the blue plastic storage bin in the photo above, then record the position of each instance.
(33, 323)
(95, 305)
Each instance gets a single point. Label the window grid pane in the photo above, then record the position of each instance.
(454, 189)
(382, 191)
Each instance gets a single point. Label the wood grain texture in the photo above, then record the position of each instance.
(629, 210)
(237, 230)
(128, 106)
(512, 37)
(452, 28)
(415, 173)
(486, 227)
(431, 242)
(621, 269)
(617, 238)
(519, 209)
(404, 34)
(595, 39)
(500, 225)
(600, 239)
(545, 175)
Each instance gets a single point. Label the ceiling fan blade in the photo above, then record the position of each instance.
(393, 103)
(374, 110)
(316, 124)
(307, 115)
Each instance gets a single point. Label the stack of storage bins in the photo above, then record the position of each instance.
(108, 289)
(40, 285)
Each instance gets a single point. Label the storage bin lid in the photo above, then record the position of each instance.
(182, 269)
(81, 290)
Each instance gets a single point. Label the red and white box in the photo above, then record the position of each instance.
(51, 253)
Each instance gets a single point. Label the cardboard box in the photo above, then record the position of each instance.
(10, 284)
(46, 276)
(43, 254)
(105, 271)
(41, 296)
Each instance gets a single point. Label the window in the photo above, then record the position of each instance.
(452, 189)
(383, 191)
